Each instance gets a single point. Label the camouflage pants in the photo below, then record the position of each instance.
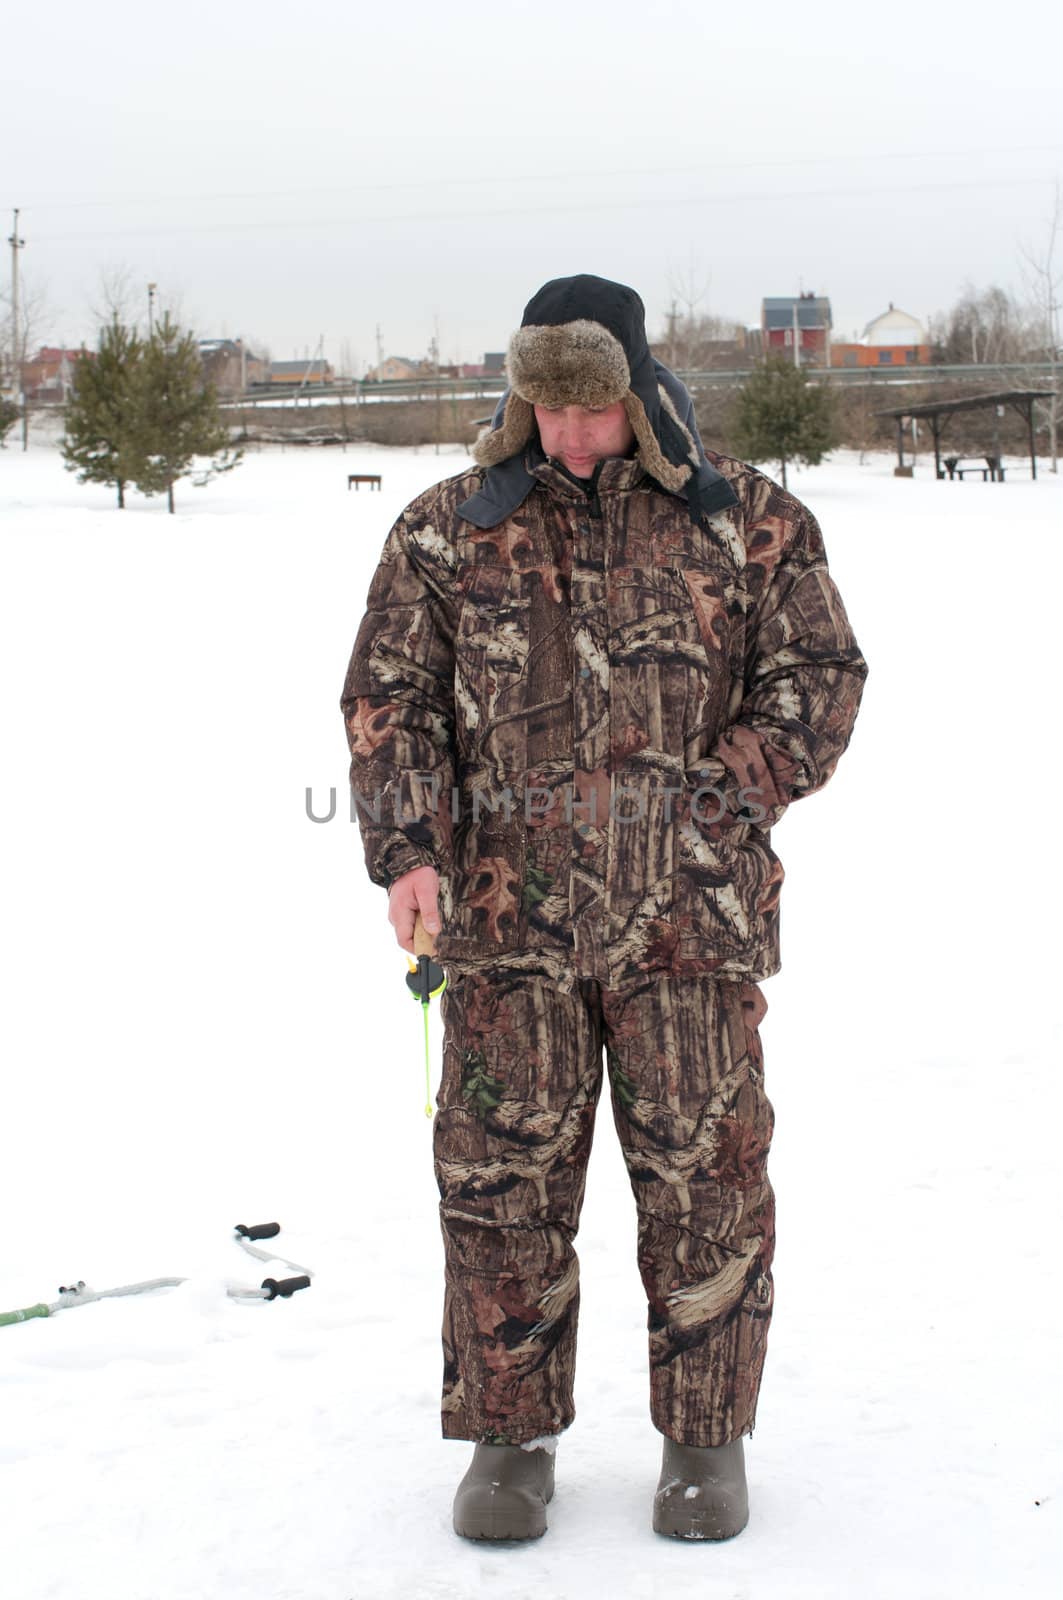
(521, 1079)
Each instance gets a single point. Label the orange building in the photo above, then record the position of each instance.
(315, 371)
(894, 339)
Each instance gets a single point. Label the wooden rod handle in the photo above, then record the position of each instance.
(423, 942)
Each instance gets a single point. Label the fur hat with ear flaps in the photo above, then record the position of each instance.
(582, 342)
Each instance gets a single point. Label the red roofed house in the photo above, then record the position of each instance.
(48, 377)
(797, 326)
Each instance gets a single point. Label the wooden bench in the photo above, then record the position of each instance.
(371, 478)
(990, 467)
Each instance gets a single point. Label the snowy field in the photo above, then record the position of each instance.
(205, 1022)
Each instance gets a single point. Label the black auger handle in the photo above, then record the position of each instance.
(284, 1286)
(261, 1230)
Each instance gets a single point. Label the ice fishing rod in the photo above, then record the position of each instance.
(79, 1294)
(424, 979)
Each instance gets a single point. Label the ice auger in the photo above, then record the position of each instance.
(79, 1294)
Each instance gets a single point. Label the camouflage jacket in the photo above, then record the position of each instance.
(589, 718)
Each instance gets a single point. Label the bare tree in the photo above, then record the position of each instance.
(690, 344)
(682, 336)
(133, 301)
(858, 414)
(1043, 274)
(986, 327)
(34, 313)
(691, 334)
(116, 298)
(689, 288)
(348, 359)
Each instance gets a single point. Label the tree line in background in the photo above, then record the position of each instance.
(989, 327)
(985, 327)
(141, 413)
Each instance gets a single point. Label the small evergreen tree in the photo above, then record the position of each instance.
(8, 418)
(780, 416)
(101, 414)
(178, 416)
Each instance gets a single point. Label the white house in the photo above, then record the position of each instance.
(894, 327)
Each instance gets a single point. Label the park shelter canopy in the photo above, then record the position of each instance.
(938, 412)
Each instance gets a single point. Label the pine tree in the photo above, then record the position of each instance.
(8, 417)
(179, 417)
(101, 414)
(780, 416)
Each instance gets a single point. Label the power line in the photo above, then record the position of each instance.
(655, 201)
(510, 179)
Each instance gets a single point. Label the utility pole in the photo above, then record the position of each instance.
(1052, 308)
(151, 309)
(311, 362)
(17, 244)
(826, 341)
(439, 394)
(1053, 358)
(379, 354)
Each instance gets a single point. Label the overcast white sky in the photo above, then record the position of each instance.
(289, 171)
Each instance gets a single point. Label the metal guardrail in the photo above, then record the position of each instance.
(361, 393)
(889, 375)
(490, 389)
(431, 389)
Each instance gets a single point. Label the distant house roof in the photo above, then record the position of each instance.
(228, 347)
(494, 360)
(813, 311)
(50, 352)
(894, 320)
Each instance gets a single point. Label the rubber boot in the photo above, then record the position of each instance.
(702, 1491)
(504, 1493)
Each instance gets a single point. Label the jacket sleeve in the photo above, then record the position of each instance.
(803, 682)
(398, 703)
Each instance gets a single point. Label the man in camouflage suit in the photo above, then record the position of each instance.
(592, 674)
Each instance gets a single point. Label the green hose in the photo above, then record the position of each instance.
(8, 1317)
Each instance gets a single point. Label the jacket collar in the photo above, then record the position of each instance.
(615, 475)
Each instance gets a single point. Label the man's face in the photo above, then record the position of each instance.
(579, 438)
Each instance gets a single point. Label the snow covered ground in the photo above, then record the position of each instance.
(205, 1022)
